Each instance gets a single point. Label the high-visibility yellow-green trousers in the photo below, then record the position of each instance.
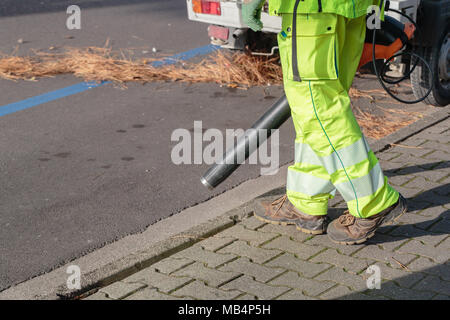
(330, 150)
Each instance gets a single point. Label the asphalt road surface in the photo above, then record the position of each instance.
(87, 169)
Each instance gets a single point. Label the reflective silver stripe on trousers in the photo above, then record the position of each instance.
(308, 184)
(364, 186)
(350, 155)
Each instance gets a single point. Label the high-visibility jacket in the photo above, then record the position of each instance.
(346, 8)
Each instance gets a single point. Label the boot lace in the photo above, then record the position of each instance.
(346, 219)
(279, 203)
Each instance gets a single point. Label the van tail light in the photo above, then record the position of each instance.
(206, 7)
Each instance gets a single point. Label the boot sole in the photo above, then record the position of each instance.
(283, 223)
(384, 223)
(278, 223)
(354, 241)
(307, 231)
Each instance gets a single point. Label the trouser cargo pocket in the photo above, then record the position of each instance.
(313, 46)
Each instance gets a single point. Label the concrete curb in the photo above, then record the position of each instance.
(125, 266)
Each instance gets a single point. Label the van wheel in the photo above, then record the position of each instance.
(439, 60)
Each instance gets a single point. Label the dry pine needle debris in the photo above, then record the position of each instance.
(238, 70)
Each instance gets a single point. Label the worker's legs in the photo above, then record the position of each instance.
(331, 151)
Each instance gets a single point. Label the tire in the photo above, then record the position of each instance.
(420, 77)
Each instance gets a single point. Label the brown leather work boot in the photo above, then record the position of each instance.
(282, 212)
(348, 229)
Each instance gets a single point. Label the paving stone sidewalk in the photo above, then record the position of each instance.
(255, 260)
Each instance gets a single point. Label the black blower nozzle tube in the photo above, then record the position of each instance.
(247, 143)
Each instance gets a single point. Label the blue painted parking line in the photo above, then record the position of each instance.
(83, 86)
(47, 97)
(186, 55)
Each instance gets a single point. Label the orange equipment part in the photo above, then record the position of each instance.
(385, 52)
